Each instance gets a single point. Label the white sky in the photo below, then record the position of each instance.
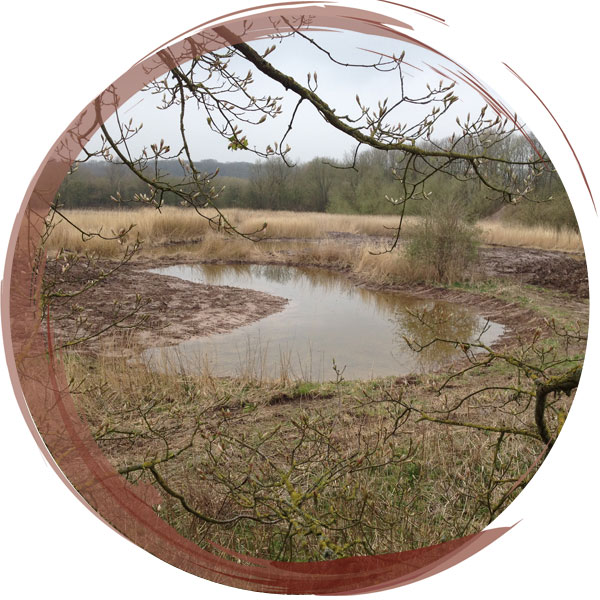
(338, 86)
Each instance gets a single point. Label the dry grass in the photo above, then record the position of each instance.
(226, 247)
(286, 224)
(152, 227)
(437, 489)
(180, 225)
(388, 267)
(545, 238)
(174, 225)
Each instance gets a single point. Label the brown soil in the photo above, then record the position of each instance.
(171, 309)
(553, 270)
(176, 310)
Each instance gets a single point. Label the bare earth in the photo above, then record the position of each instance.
(176, 310)
(173, 309)
(553, 270)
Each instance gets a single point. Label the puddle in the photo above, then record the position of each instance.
(327, 319)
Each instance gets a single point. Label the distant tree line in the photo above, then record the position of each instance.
(361, 184)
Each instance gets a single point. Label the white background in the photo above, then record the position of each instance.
(59, 55)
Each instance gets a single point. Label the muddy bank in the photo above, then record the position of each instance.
(552, 270)
(147, 309)
(173, 310)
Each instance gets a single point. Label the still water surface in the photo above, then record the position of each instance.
(326, 319)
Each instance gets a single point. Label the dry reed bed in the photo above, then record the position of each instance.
(176, 225)
(181, 225)
(545, 238)
(361, 259)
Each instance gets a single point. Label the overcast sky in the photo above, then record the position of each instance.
(338, 86)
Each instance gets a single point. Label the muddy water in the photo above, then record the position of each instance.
(327, 319)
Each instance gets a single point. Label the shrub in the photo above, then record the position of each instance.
(444, 243)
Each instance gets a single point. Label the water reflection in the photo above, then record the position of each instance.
(327, 318)
(445, 321)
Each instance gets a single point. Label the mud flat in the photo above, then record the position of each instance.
(172, 310)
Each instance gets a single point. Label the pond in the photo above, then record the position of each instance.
(328, 324)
